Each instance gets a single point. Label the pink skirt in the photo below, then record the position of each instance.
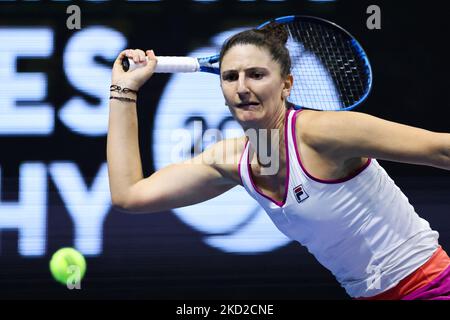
(431, 281)
(437, 289)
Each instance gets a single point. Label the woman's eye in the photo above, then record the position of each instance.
(229, 77)
(257, 75)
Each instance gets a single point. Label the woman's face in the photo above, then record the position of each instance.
(252, 85)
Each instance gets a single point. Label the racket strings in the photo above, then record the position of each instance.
(329, 71)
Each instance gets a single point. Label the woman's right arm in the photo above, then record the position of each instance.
(177, 185)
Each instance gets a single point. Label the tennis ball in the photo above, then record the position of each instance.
(68, 266)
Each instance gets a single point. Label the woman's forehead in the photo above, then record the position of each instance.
(246, 56)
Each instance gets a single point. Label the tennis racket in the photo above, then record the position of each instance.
(330, 68)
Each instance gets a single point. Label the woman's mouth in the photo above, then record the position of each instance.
(247, 105)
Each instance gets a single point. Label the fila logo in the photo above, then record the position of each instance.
(300, 193)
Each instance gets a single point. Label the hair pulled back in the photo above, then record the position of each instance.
(272, 37)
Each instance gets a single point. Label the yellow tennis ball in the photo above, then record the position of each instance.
(68, 266)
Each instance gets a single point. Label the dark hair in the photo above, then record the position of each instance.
(272, 37)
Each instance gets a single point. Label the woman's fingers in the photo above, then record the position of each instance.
(151, 60)
(142, 56)
(137, 55)
(151, 54)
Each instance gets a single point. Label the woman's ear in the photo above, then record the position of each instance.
(287, 86)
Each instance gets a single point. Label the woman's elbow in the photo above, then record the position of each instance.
(127, 206)
(442, 152)
(120, 203)
(446, 158)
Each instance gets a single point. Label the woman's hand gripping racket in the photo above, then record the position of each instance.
(330, 68)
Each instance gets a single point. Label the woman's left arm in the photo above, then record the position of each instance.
(350, 134)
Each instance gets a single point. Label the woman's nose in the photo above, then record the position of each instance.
(242, 86)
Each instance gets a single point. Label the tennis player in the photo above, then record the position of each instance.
(328, 191)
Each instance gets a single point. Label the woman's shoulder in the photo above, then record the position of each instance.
(306, 125)
(314, 127)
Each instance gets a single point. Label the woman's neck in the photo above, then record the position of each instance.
(268, 140)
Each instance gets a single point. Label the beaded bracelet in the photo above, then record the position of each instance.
(123, 99)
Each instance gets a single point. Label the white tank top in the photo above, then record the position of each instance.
(362, 228)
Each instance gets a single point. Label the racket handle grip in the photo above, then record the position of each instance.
(166, 64)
